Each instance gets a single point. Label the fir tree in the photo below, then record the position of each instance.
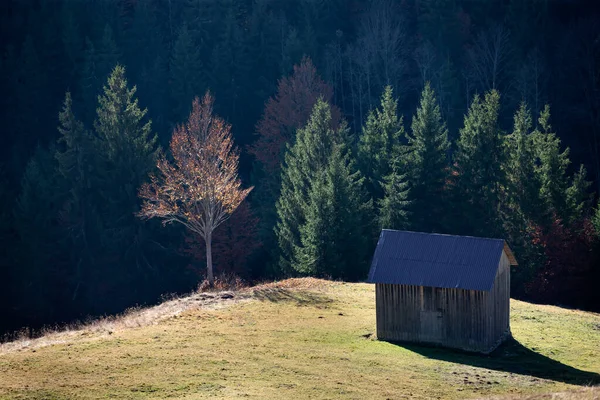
(578, 196)
(285, 112)
(126, 149)
(380, 142)
(427, 164)
(321, 206)
(522, 209)
(76, 158)
(309, 153)
(393, 208)
(522, 179)
(563, 197)
(75, 142)
(479, 169)
(127, 143)
(332, 239)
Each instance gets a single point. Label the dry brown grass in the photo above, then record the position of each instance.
(132, 318)
(206, 297)
(299, 284)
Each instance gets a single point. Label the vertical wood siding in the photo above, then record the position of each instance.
(465, 319)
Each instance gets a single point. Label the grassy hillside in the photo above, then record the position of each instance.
(299, 339)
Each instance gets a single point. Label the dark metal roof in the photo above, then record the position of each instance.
(435, 260)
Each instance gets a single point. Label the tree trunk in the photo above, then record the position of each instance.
(209, 266)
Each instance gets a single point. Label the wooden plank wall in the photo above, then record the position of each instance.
(465, 319)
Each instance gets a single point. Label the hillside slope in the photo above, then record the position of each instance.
(297, 339)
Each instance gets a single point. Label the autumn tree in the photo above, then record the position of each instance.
(285, 112)
(200, 189)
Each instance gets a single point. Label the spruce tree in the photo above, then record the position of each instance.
(578, 196)
(126, 149)
(308, 154)
(523, 182)
(322, 206)
(523, 210)
(76, 142)
(479, 170)
(427, 164)
(76, 158)
(563, 198)
(380, 142)
(333, 239)
(393, 208)
(126, 141)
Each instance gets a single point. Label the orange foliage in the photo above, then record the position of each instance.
(289, 110)
(201, 188)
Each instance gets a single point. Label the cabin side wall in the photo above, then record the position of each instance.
(466, 319)
(499, 304)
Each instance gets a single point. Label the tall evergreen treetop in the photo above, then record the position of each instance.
(380, 142)
(479, 162)
(75, 142)
(309, 153)
(553, 165)
(427, 163)
(321, 196)
(126, 140)
(522, 179)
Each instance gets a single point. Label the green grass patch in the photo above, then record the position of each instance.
(291, 343)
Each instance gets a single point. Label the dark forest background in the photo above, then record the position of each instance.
(71, 244)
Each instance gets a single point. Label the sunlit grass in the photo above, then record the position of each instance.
(295, 341)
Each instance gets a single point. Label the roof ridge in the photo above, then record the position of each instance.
(443, 234)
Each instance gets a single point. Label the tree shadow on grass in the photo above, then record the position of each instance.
(511, 357)
(300, 297)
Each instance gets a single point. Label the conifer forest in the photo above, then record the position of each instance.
(277, 138)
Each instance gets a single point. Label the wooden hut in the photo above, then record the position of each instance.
(451, 291)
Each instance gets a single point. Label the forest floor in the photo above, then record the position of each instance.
(301, 338)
